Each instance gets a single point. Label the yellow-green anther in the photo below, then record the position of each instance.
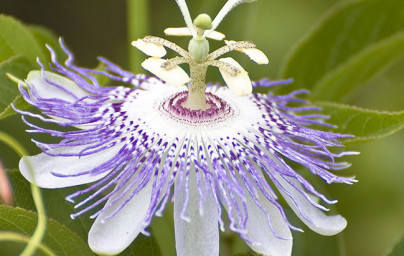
(203, 21)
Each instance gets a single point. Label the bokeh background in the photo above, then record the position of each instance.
(374, 207)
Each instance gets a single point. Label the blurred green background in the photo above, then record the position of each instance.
(374, 207)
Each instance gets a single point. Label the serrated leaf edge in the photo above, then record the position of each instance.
(368, 138)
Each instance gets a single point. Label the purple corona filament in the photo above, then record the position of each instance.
(142, 145)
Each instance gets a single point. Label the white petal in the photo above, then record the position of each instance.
(175, 76)
(43, 166)
(259, 232)
(200, 236)
(239, 84)
(261, 237)
(183, 31)
(48, 91)
(320, 223)
(151, 49)
(117, 233)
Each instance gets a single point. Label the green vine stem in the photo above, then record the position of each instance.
(138, 26)
(15, 237)
(40, 229)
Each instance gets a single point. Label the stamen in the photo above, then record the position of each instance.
(175, 76)
(172, 63)
(233, 70)
(166, 43)
(215, 35)
(151, 49)
(182, 31)
(231, 47)
(239, 84)
(254, 54)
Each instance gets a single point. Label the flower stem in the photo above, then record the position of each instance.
(39, 232)
(138, 26)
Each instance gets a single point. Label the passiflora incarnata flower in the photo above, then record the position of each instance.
(212, 150)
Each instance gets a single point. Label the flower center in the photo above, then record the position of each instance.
(217, 111)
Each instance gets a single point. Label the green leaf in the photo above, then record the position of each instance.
(339, 84)
(58, 238)
(18, 102)
(56, 206)
(347, 48)
(398, 249)
(143, 246)
(44, 37)
(19, 66)
(59, 209)
(16, 39)
(20, 45)
(365, 124)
